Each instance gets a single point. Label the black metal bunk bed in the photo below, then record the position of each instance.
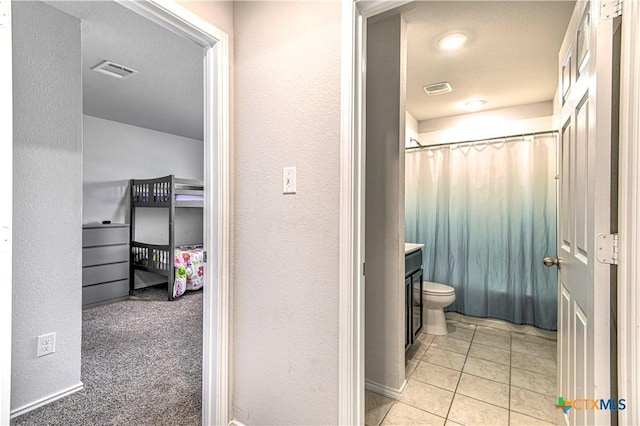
(166, 192)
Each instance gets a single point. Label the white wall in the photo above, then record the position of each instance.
(47, 203)
(384, 229)
(488, 124)
(411, 130)
(285, 249)
(116, 152)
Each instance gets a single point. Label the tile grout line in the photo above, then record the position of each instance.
(455, 391)
(400, 402)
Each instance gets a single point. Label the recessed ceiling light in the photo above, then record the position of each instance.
(474, 104)
(452, 41)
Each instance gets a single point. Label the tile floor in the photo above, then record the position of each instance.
(476, 375)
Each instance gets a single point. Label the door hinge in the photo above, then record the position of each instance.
(363, 268)
(204, 256)
(607, 248)
(611, 9)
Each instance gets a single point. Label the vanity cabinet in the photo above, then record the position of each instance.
(413, 296)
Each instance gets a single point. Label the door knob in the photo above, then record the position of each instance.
(550, 261)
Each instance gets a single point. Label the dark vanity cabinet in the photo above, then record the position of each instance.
(413, 296)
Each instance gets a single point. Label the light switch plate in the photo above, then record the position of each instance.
(289, 180)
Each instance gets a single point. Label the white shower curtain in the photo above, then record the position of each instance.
(487, 216)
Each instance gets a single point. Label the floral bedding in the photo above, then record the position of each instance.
(189, 264)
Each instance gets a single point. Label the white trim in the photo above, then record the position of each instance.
(386, 390)
(6, 207)
(351, 374)
(173, 17)
(350, 367)
(629, 222)
(46, 400)
(234, 422)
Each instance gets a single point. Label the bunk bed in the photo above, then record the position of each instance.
(182, 265)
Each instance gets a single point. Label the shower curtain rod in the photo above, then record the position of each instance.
(487, 141)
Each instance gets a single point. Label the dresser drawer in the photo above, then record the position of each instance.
(102, 273)
(92, 237)
(104, 292)
(92, 256)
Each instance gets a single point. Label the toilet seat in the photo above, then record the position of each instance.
(436, 289)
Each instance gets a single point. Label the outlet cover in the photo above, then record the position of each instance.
(46, 344)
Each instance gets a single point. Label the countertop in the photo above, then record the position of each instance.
(411, 247)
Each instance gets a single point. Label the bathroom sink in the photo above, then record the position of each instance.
(411, 247)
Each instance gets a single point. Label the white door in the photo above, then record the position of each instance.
(6, 189)
(585, 179)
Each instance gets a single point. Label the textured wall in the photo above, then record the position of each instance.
(115, 152)
(285, 257)
(384, 234)
(6, 213)
(47, 208)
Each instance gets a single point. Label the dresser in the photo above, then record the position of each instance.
(105, 264)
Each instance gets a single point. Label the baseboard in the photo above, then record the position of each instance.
(46, 400)
(385, 390)
(234, 422)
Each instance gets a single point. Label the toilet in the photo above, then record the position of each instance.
(434, 299)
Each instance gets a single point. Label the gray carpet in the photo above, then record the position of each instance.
(141, 365)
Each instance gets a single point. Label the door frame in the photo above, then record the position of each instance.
(216, 323)
(352, 190)
(351, 374)
(629, 216)
(6, 207)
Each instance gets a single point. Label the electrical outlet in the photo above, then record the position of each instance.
(46, 344)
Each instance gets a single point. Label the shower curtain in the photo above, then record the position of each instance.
(486, 214)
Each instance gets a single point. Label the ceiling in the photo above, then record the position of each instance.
(167, 93)
(510, 57)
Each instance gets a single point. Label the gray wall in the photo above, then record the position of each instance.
(47, 207)
(285, 248)
(115, 152)
(384, 233)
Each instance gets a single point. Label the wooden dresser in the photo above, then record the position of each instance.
(105, 264)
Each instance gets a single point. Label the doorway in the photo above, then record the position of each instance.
(357, 132)
(216, 107)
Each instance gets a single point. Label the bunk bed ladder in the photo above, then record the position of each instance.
(132, 234)
(172, 238)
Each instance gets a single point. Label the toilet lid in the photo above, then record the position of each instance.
(436, 288)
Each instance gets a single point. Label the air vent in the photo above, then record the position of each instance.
(438, 88)
(114, 70)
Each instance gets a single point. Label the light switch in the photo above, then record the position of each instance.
(289, 180)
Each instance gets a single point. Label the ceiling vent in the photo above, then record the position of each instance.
(114, 70)
(438, 88)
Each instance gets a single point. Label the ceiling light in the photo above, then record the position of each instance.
(452, 41)
(474, 104)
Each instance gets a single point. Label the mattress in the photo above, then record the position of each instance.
(187, 197)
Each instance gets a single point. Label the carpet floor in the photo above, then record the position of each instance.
(141, 365)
